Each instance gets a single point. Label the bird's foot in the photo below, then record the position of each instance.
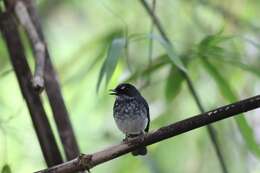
(125, 140)
(136, 139)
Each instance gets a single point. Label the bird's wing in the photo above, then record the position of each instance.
(148, 115)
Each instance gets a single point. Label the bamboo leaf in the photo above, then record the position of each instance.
(114, 53)
(101, 74)
(173, 84)
(210, 45)
(209, 48)
(109, 65)
(213, 40)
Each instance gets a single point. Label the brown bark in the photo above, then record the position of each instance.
(89, 161)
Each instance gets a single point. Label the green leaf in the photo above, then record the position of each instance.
(209, 48)
(171, 52)
(213, 40)
(114, 53)
(229, 94)
(6, 169)
(252, 69)
(109, 65)
(210, 45)
(101, 74)
(173, 84)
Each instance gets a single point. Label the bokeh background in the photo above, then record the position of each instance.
(218, 41)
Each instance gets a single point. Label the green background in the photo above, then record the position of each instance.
(218, 41)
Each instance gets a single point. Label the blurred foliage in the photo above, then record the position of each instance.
(207, 47)
(173, 85)
(6, 169)
(98, 44)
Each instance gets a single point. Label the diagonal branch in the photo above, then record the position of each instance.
(89, 161)
(37, 45)
(210, 129)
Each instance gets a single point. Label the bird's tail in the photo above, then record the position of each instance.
(140, 151)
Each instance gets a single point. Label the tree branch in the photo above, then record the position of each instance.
(38, 115)
(37, 45)
(52, 88)
(89, 161)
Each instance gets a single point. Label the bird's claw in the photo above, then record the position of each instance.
(135, 140)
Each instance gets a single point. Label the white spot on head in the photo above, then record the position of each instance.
(209, 113)
(122, 87)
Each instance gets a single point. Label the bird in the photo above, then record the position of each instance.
(131, 113)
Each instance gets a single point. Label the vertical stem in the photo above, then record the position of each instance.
(150, 47)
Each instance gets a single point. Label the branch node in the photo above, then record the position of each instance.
(84, 162)
(38, 83)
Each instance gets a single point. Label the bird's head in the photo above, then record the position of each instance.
(125, 89)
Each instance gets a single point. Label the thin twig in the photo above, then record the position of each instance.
(156, 21)
(52, 88)
(37, 45)
(150, 46)
(89, 161)
(190, 85)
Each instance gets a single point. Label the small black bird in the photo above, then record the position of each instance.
(131, 113)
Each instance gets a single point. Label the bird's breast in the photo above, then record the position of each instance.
(130, 116)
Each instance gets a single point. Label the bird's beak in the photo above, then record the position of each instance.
(112, 92)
